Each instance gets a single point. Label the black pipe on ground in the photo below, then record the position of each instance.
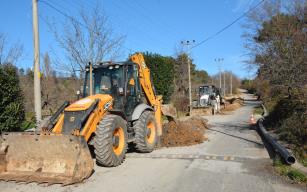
(278, 148)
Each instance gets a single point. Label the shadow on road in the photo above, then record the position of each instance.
(238, 137)
(231, 127)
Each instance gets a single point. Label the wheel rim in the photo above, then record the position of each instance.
(118, 141)
(151, 132)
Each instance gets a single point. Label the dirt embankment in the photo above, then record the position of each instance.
(184, 133)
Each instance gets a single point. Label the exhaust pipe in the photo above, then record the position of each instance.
(278, 148)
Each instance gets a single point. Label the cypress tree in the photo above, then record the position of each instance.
(12, 112)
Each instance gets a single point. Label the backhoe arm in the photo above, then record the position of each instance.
(145, 81)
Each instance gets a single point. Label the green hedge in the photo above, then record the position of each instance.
(162, 73)
(12, 111)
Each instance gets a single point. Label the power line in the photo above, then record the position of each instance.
(137, 26)
(70, 17)
(76, 4)
(227, 26)
(164, 28)
(61, 12)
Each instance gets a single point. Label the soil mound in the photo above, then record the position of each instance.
(235, 103)
(184, 133)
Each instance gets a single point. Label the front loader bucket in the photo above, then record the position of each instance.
(30, 157)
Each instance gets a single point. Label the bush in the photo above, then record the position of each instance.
(12, 111)
(29, 122)
(288, 117)
(162, 74)
(249, 85)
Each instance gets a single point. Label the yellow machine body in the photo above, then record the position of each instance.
(94, 118)
(60, 154)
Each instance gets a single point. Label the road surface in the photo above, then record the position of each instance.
(234, 159)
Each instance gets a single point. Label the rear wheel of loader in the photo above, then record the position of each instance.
(145, 132)
(111, 141)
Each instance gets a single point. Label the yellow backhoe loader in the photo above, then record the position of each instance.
(119, 106)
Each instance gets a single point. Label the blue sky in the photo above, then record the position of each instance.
(149, 25)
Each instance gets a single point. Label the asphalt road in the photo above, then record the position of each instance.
(234, 159)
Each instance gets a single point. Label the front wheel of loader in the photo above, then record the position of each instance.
(145, 129)
(110, 141)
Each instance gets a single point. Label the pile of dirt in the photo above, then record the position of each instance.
(184, 133)
(232, 107)
(235, 100)
(201, 111)
(234, 104)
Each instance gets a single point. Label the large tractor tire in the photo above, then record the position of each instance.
(145, 129)
(110, 141)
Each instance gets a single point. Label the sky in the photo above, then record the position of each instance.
(149, 25)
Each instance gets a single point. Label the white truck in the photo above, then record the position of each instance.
(208, 96)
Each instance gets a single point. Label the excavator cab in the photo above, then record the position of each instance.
(120, 80)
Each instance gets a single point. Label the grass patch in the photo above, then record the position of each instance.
(304, 162)
(296, 176)
(258, 110)
(270, 105)
(288, 171)
(29, 121)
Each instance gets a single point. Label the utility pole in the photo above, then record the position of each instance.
(220, 72)
(37, 75)
(188, 43)
(230, 83)
(224, 92)
(219, 61)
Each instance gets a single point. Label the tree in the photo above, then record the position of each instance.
(181, 81)
(12, 111)
(231, 81)
(47, 69)
(49, 86)
(276, 43)
(277, 49)
(282, 57)
(162, 73)
(21, 72)
(86, 38)
(198, 77)
(9, 54)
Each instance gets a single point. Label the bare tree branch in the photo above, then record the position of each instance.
(87, 38)
(9, 54)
